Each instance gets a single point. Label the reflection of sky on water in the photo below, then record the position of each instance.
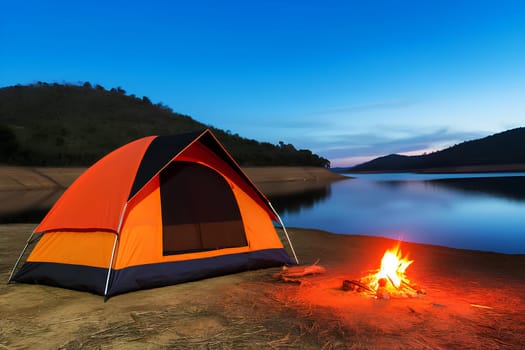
(421, 211)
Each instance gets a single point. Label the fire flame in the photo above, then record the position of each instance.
(393, 267)
(391, 276)
(389, 280)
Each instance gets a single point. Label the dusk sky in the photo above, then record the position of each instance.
(349, 80)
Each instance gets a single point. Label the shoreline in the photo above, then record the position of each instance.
(28, 190)
(18, 178)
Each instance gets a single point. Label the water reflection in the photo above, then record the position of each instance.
(26, 206)
(25, 216)
(471, 213)
(295, 202)
(505, 187)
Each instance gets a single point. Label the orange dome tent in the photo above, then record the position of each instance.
(158, 211)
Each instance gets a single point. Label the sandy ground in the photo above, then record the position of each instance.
(473, 300)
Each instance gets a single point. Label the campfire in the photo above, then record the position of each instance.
(389, 280)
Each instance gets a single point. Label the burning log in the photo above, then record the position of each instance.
(384, 289)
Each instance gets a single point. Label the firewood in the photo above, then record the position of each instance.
(356, 286)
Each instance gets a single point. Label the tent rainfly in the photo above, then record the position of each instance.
(158, 211)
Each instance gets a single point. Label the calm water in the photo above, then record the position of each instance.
(471, 211)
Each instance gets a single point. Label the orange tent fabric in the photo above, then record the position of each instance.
(157, 211)
(87, 202)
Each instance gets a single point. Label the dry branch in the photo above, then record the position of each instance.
(293, 274)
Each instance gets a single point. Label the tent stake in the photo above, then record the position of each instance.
(20, 257)
(285, 232)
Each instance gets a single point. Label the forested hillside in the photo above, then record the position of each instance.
(66, 124)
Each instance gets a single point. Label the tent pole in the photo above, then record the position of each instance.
(285, 232)
(20, 257)
(115, 246)
(110, 264)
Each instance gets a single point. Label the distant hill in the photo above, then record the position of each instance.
(65, 124)
(502, 149)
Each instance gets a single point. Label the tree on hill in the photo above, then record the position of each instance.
(8, 143)
(67, 124)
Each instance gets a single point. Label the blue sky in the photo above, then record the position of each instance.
(350, 80)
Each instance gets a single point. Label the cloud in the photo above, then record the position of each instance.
(347, 142)
(365, 146)
(387, 104)
(319, 121)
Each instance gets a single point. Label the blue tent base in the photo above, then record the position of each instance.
(92, 279)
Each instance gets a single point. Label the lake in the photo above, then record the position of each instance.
(470, 211)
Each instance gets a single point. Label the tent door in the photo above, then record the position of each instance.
(199, 210)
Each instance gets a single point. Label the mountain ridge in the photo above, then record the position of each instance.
(497, 150)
